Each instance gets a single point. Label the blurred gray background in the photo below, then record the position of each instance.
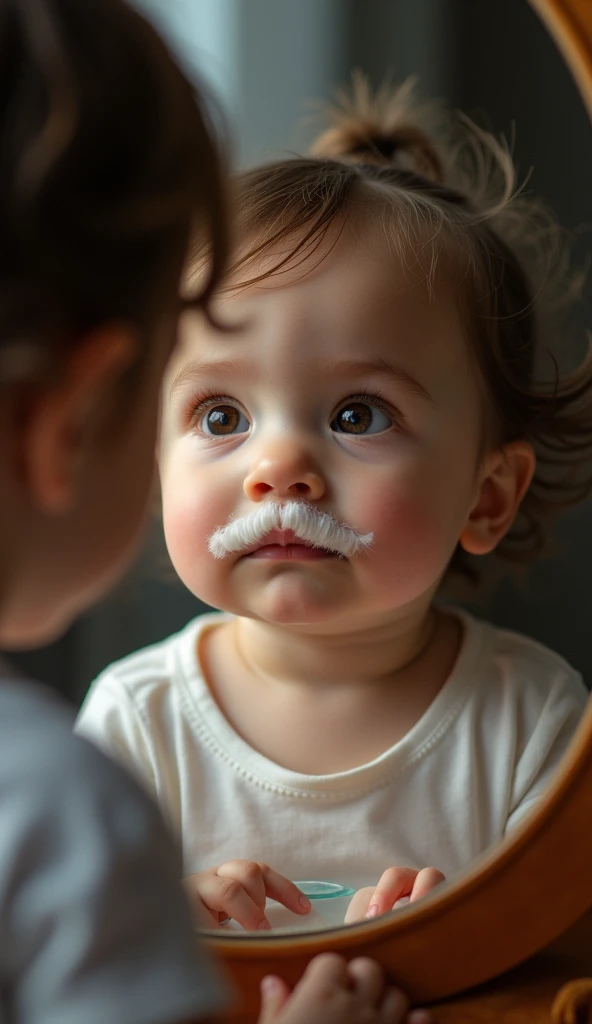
(265, 60)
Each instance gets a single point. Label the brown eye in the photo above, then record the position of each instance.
(220, 420)
(354, 419)
(361, 418)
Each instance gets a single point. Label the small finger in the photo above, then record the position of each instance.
(248, 873)
(394, 1007)
(204, 916)
(359, 904)
(326, 973)
(274, 993)
(367, 978)
(227, 897)
(427, 879)
(392, 884)
(419, 1017)
(280, 888)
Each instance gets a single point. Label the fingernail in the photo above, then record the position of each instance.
(419, 1017)
(264, 925)
(373, 910)
(271, 984)
(304, 902)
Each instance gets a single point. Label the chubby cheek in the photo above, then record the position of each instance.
(191, 512)
(415, 534)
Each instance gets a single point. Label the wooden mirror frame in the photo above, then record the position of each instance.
(517, 898)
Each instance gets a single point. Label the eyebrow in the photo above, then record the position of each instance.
(193, 370)
(391, 371)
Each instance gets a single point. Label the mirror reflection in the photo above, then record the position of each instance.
(385, 412)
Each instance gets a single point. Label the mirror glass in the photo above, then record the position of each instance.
(264, 61)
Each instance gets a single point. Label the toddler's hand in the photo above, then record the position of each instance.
(332, 991)
(394, 884)
(239, 888)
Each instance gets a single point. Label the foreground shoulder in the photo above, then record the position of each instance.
(51, 778)
(89, 881)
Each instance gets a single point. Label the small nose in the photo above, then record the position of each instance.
(286, 471)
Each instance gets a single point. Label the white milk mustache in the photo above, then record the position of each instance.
(308, 523)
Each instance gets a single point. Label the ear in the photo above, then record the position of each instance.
(507, 474)
(60, 419)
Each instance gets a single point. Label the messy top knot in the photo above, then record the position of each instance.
(451, 206)
(379, 129)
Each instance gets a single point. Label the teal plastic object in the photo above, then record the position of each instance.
(323, 890)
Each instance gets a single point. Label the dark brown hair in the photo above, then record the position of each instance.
(458, 202)
(108, 164)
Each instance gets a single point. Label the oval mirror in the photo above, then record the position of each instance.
(509, 904)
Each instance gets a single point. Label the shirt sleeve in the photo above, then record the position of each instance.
(94, 927)
(546, 742)
(110, 719)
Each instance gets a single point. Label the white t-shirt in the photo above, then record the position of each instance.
(468, 770)
(94, 928)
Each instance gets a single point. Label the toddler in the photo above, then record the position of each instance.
(374, 420)
(107, 165)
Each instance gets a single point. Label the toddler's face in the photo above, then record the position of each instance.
(348, 385)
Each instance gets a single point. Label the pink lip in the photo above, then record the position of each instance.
(284, 545)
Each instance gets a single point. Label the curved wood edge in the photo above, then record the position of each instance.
(573, 1002)
(473, 929)
(488, 921)
(570, 24)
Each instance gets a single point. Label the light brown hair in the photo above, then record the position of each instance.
(455, 203)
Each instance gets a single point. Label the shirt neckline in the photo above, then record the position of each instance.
(222, 739)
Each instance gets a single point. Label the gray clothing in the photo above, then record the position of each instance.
(94, 927)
